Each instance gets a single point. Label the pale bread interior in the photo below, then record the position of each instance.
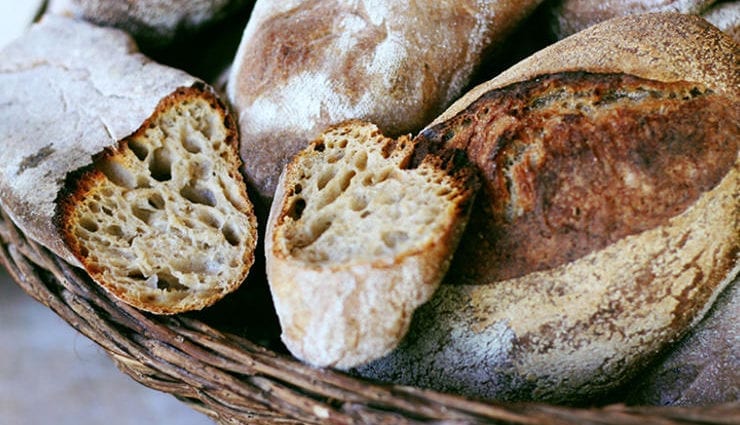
(351, 200)
(169, 228)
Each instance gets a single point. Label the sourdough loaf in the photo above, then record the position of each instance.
(361, 232)
(608, 219)
(123, 166)
(305, 65)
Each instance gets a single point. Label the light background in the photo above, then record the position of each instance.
(51, 374)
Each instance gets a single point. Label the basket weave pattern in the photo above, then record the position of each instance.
(234, 380)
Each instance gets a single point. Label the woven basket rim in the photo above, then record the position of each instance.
(235, 380)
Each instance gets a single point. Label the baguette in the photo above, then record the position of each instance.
(305, 65)
(123, 167)
(360, 234)
(608, 220)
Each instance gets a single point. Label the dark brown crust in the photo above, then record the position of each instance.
(79, 183)
(573, 162)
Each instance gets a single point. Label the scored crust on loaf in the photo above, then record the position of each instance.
(361, 233)
(163, 220)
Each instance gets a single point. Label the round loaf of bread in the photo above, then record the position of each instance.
(608, 221)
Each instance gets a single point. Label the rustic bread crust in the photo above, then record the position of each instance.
(580, 325)
(305, 65)
(344, 299)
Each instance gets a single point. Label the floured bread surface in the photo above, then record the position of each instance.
(361, 236)
(163, 220)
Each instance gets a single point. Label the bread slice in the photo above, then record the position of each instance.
(162, 220)
(360, 235)
(122, 166)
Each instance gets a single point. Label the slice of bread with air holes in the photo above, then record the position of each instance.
(124, 167)
(361, 232)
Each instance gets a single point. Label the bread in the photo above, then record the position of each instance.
(608, 220)
(305, 65)
(153, 23)
(571, 16)
(703, 369)
(124, 167)
(360, 234)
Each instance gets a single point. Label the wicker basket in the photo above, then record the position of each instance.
(214, 365)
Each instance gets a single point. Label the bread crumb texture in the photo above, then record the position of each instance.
(163, 220)
(361, 237)
(354, 201)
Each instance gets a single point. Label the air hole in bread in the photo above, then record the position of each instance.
(139, 149)
(360, 161)
(198, 194)
(295, 211)
(89, 225)
(191, 143)
(325, 178)
(114, 230)
(117, 173)
(142, 214)
(346, 179)
(209, 219)
(160, 165)
(335, 157)
(155, 201)
(231, 234)
(319, 147)
(167, 282)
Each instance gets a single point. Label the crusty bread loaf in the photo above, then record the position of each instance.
(123, 166)
(704, 368)
(571, 16)
(153, 23)
(304, 65)
(360, 234)
(608, 219)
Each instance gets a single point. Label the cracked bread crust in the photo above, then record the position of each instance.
(360, 235)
